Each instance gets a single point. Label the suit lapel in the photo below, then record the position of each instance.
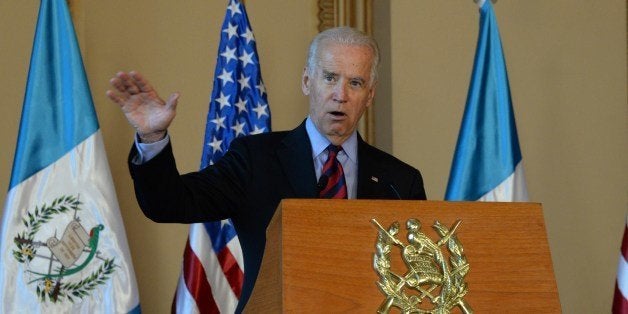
(295, 149)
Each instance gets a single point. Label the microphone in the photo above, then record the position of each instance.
(389, 184)
(392, 187)
(322, 183)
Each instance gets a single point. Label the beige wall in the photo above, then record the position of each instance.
(567, 68)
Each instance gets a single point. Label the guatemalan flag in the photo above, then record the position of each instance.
(63, 247)
(487, 164)
(213, 266)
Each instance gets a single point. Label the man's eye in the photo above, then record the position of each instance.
(356, 83)
(329, 78)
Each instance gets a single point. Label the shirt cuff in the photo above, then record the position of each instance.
(146, 151)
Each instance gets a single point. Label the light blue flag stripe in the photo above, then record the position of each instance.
(488, 150)
(58, 112)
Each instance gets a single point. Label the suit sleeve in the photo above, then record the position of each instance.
(213, 193)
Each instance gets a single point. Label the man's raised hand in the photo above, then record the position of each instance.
(149, 115)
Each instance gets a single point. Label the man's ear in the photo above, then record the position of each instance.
(305, 82)
(371, 95)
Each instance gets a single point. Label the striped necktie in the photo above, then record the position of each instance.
(335, 186)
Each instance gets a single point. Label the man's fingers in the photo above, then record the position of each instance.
(129, 83)
(116, 82)
(114, 97)
(141, 83)
(173, 101)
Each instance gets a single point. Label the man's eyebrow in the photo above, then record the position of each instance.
(325, 72)
(358, 78)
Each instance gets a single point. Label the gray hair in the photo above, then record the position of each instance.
(345, 36)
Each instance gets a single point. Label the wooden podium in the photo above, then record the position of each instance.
(319, 255)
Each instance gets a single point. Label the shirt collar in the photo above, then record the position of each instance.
(320, 142)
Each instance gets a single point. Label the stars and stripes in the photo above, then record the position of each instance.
(212, 274)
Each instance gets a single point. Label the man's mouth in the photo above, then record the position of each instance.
(337, 114)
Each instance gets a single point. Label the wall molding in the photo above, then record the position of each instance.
(357, 14)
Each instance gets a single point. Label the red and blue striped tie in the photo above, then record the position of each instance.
(336, 186)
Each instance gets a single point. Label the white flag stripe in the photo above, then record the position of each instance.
(513, 189)
(622, 276)
(222, 293)
(236, 251)
(184, 301)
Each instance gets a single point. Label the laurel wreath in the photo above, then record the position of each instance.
(24, 240)
(48, 288)
(55, 291)
(460, 266)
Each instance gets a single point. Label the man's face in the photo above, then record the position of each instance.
(340, 89)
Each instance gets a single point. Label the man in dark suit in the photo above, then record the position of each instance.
(249, 181)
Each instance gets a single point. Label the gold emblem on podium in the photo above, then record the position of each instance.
(430, 284)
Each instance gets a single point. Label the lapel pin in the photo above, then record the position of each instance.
(374, 179)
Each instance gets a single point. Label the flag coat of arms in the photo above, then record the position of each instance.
(63, 246)
(487, 163)
(213, 267)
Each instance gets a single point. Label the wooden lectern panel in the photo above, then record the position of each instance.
(319, 255)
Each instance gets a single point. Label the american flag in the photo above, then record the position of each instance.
(620, 300)
(212, 274)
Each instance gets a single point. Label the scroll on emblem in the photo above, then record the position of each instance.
(430, 284)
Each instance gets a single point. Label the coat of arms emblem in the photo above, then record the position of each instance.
(430, 284)
(66, 267)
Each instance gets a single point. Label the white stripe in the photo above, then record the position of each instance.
(185, 303)
(512, 189)
(221, 290)
(83, 172)
(236, 251)
(622, 276)
(480, 3)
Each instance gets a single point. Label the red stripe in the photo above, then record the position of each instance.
(624, 244)
(196, 282)
(232, 270)
(620, 304)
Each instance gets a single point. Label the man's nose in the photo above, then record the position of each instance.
(340, 92)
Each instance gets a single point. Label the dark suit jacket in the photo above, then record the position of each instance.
(248, 182)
